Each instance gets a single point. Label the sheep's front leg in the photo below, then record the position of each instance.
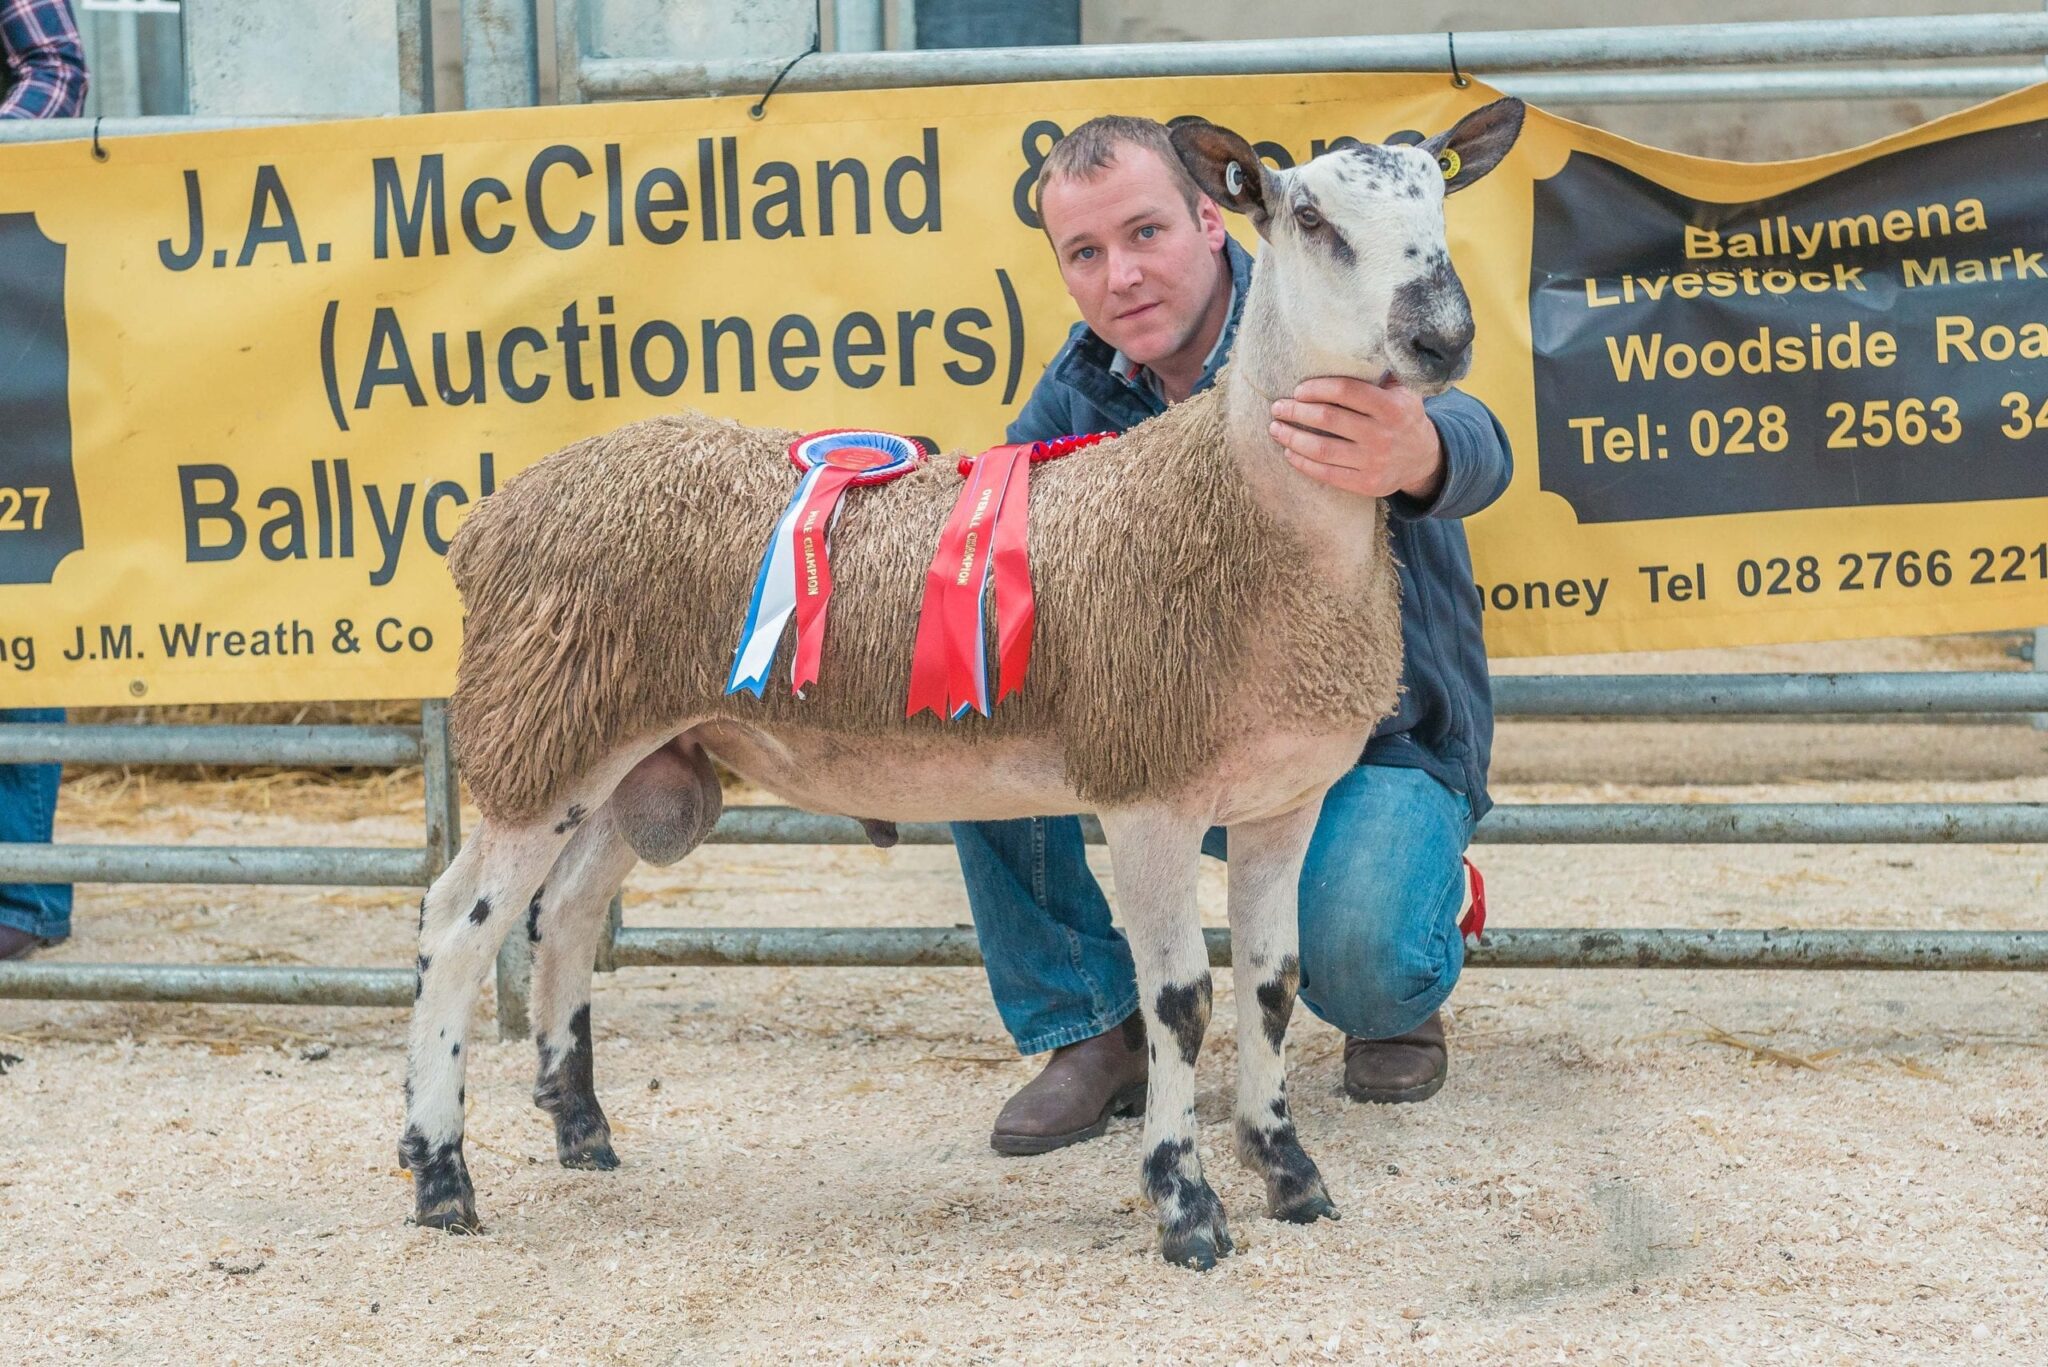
(1155, 854)
(563, 922)
(1265, 940)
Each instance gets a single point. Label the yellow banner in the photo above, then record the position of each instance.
(249, 381)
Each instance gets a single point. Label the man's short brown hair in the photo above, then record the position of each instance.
(1087, 151)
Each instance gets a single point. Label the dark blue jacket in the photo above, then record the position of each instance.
(1445, 721)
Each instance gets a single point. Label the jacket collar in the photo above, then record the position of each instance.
(1088, 364)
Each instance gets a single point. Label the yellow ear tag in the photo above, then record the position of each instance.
(1451, 163)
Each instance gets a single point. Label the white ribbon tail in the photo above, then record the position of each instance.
(774, 599)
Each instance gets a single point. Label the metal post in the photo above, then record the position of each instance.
(500, 54)
(444, 789)
(415, 56)
(515, 986)
(608, 947)
(857, 26)
(570, 26)
(2041, 667)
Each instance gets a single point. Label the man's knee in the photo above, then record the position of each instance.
(1377, 972)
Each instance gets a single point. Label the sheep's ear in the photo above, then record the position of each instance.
(1477, 144)
(1225, 166)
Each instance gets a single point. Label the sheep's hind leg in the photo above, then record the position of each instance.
(1155, 856)
(462, 921)
(1265, 938)
(563, 923)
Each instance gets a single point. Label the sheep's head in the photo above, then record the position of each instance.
(1355, 242)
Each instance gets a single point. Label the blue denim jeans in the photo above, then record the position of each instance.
(1380, 892)
(28, 810)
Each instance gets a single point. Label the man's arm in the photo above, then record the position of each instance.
(45, 61)
(1478, 461)
(1442, 457)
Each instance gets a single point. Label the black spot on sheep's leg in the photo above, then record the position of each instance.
(1276, 1000)
(583, 1137)
(571, 819)
(1192, 1229)
(1183, 1008)
(533, 919)
(481, 912)
(419, 975)
(442, 1195)
(1294, 1189)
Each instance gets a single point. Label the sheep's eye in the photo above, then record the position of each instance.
(1450, 163)
(1308, 218)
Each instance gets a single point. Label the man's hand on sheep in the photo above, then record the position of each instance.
(1365, 438)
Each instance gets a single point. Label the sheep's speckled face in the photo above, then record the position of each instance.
(1355, 248)
(1357, 239)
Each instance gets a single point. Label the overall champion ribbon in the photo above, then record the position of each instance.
(986, 538)
(795, 578)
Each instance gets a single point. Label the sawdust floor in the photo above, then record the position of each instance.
(1625, 1166)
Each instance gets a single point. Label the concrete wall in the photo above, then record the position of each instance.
(1762, 131)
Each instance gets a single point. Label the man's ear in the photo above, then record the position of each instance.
(1477, 144)
(1226, 168)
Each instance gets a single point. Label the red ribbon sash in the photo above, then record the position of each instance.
(987, 538)
(813, 570)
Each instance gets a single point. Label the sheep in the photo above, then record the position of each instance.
(1217, 636)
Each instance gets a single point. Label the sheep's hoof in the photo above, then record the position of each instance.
(583, 1137)
(442, 1195)
(1295, 1192)
(1197, 1248)
(454, 1216)
(1305, 1208)
(1200, 1235)
(594, 1154)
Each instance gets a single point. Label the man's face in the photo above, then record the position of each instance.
(1140, 264)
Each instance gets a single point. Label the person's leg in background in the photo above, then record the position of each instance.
(1062, 979)
(30, 913)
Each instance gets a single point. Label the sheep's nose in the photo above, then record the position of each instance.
(1443, 352)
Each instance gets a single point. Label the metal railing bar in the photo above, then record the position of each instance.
(243, 983)
(1731, 823)
(145, 125)
(2004, 693)
(268, 864)
(1757, 695)
(1672, 87)
(942, 947)
(1529, 51)
(1538, 947)
(81, 743)
(1660, 87)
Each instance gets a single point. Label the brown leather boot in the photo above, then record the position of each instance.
(1081, 1086)
(15, 944)
(1409, 1067)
